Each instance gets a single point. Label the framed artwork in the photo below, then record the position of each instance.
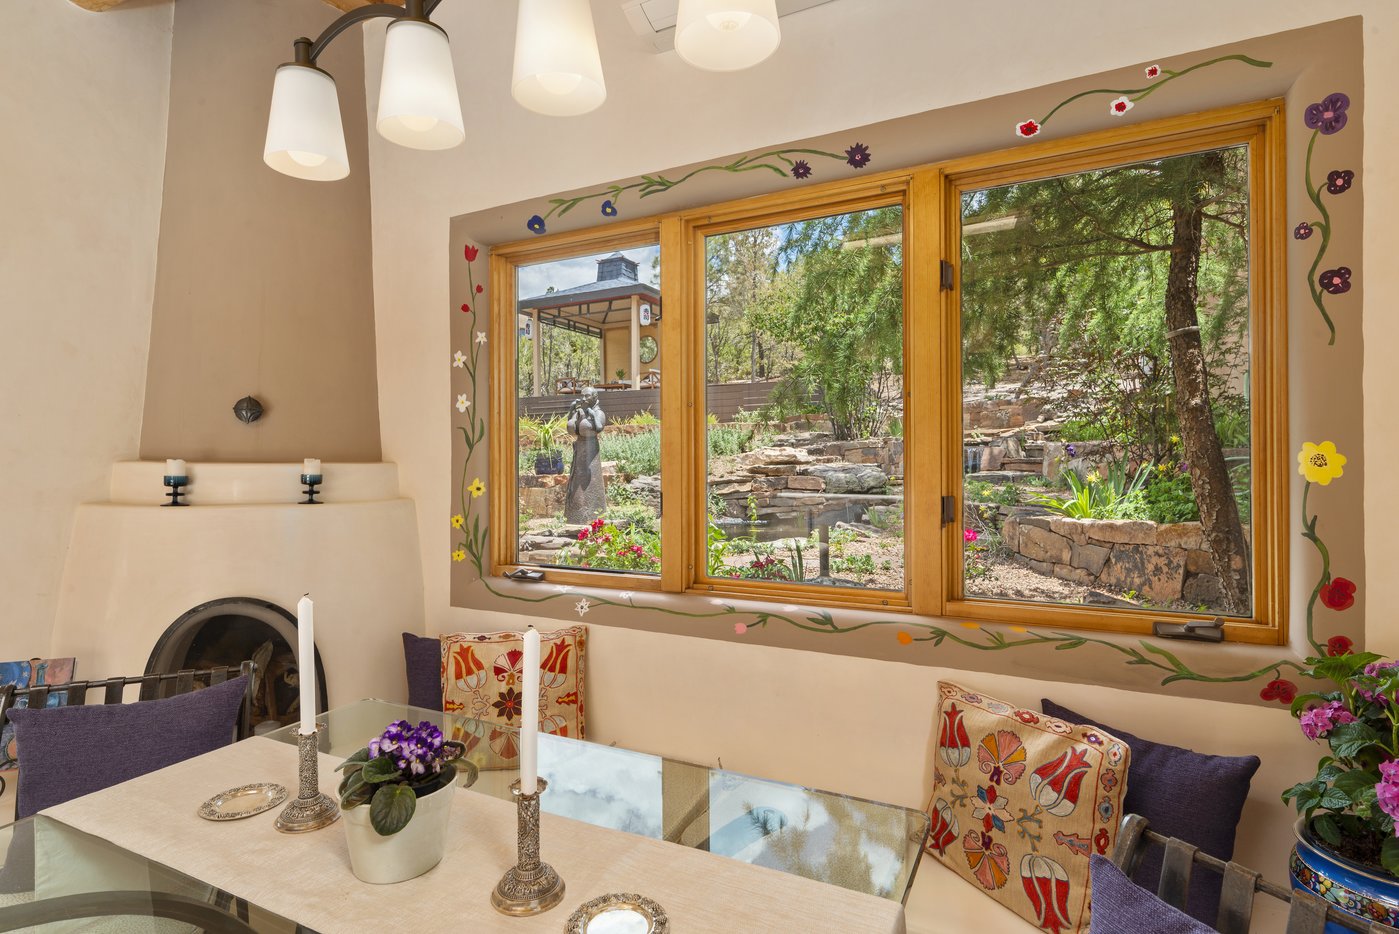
(23, 674)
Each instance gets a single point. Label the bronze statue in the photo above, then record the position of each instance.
(586, 496)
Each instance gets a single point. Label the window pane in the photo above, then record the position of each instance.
(588, 383)
(1105, 387)
(804, 365)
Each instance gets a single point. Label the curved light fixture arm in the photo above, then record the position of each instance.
(307, 51)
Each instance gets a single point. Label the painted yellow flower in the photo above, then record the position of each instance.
(458, 521)
(459, 554)
(1320, 463)
(476, 488)
(970, 625)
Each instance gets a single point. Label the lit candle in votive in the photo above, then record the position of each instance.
(529, 718)
(306, 662)
(311, 467)
(175, 468)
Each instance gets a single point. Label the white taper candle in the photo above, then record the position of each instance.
(306, 661)
(529, 718)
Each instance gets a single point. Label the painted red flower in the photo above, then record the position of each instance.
(1153, 71)
(466, 308)
(480, 289)
(1027, 128)
(1338, 593)
(471, 253)
(1280, 690)
(1339, 645)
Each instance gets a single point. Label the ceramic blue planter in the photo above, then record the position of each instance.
(1353, 888)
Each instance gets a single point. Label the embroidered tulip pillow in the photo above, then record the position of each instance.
(482, 677)
(1021, 801)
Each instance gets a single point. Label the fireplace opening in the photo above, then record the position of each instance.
(231, 630)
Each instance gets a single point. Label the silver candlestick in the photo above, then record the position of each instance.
(529, 887)
(311, 809)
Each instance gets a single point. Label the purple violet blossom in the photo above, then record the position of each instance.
(415, 750)
(1387, 791)
(1316, 722)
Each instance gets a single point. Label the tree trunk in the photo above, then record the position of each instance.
(1209, 474)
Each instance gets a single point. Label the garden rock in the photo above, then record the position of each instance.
(1043, 545)
(1153, 571)
(648, 490)
(1122, 531)
(847, 478)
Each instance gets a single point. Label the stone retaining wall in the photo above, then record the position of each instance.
(1162, 563)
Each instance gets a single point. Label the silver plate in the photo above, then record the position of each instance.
(243, 801)
(619, 912)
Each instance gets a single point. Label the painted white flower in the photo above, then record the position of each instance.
(459, 360)
(480, 337)
(717, 602)
(582, 606)
(1153, 71)
(463, 403)
(790, 608)
(563, 588)
(1119, 106)
(624, 595)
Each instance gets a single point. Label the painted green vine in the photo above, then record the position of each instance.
(784, 162)
(1127, 98)
(1325, 118)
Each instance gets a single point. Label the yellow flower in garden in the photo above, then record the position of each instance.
(1161, 468)
(1320, 463)
(477, 488)
(1093, 477)
(458, 521)
(1175, 439)
(459, 554)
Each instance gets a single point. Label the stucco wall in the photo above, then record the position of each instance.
(84, 111)
(264, 282)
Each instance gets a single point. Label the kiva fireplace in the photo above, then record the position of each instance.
(226, 632)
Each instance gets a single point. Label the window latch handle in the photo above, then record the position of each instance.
(949, 510)
(945, 275)
(1195, 630)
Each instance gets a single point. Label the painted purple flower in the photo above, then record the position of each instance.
(1338, 182)
(1335, 281)
(1302, 231)
(801, 169)
(535, 224)
(609, 209)
(1329, 116)
(858, 156)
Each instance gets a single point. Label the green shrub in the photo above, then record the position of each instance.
(1170, 498)
(1082, 429)
(636, 455)
(727, 440)
(1111, 496)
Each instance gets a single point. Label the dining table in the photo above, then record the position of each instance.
(719, 851)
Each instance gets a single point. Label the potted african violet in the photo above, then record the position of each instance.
(1347, 851)
(397, 797)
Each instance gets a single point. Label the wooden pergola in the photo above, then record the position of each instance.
(615, 301)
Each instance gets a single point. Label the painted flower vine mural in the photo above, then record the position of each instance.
(796, 163)
(1325, 118)
(467, 520)
(1126, 98)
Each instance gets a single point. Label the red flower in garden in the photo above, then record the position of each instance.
(1280, 690)
(471, 253)
(1339, 645)
(1338, 593)
(1027, 128)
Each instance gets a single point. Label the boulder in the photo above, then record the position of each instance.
(1043, 545)
(1203, 589)
(1091, 558)
(806, 483)
(1187, 535)
(776, 455)
(1122, 531)
(1151, 571)
(647, 489)
(847, 478)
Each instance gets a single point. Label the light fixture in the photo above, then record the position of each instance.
(418, 105)
(558, 71)
(726, 35)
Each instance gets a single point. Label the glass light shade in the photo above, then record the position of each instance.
(418, 104)
(304, 135)
(726, 35)
(558, 71)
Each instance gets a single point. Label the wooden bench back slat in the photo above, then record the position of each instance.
(1236, 899)
(1308, 914)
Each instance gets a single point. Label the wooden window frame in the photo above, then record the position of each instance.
(929, 195)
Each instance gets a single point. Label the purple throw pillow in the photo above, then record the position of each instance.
(1120, 906)
(1181, 793)
(422, 656)
(68, 752)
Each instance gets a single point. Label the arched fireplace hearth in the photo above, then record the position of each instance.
(228, 631)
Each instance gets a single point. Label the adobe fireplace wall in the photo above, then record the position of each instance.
(134, 567)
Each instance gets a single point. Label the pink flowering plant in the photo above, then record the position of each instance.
(396, 768)
(1353, 801)
(614, 546)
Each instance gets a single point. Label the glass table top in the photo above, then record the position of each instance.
(850, 842)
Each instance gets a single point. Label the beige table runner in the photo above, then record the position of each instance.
(307, 877)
